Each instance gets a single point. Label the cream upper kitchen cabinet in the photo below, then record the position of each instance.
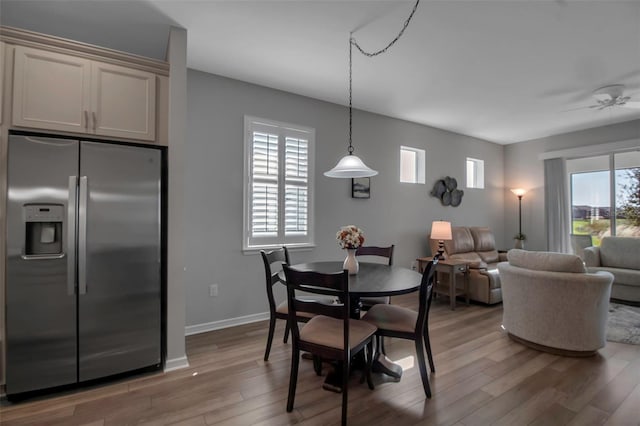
(62, 92)
(123, 102)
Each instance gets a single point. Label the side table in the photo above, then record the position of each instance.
(452, 267)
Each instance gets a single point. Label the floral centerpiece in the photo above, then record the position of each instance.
(350, 237)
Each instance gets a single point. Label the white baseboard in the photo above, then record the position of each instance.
(218, 325)
(175, 364)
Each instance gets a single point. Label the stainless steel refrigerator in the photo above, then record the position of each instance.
(84, 261)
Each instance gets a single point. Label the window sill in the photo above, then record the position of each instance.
(248, 251)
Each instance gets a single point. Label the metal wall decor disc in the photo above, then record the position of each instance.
(456, 197)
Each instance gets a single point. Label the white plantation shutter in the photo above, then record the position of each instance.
(278, 184)
(264, 220)
(296, 174)
(264, 210)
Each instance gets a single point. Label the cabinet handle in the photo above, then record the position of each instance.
(95, 120)
(86, 119)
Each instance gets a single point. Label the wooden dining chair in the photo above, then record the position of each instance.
(404, 323)
(331, 334)
(383, 252)
(273, 261)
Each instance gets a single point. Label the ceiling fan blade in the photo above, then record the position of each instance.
(579, 108)
(632, 104)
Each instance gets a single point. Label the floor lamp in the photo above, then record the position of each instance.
(520, 236)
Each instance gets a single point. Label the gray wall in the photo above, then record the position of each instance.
(524, 169)
(396, 213)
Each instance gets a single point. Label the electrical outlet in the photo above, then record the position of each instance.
(213, 290)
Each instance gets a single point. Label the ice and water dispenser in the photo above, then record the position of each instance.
(43, 235)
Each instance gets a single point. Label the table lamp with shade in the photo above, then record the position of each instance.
(441, 231)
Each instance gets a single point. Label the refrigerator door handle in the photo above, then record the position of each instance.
(71, 236)
(82, 237)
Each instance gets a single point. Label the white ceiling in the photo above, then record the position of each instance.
(503, 71)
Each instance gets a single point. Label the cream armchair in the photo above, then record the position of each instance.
(552, 304)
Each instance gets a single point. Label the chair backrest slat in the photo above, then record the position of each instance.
(386, 252)
(331, 310)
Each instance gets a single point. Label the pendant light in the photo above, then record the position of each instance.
(351, 166)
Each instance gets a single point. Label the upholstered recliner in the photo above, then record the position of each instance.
(477, 246)
(551, 303)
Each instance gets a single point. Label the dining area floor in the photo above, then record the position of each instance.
(482, 377)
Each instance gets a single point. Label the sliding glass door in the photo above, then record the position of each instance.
(605, 196)
(627, 190)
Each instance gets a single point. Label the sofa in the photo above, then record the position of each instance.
(477, 246)
(551, 303)
(621, 257)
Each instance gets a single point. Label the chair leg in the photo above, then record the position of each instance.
(317, 365)
(345, 386)
(423, 367)
(427, 346)
(371, 353)
(272, 326)
(293, 378)
(286, 333)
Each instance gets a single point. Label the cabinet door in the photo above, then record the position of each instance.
(124, 102)
(51, 90)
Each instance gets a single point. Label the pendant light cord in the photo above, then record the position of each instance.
(404, 27)
(353, 42)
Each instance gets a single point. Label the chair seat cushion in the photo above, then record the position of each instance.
(327, 331)
(392, 317)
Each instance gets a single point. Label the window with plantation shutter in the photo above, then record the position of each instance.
(278, 186)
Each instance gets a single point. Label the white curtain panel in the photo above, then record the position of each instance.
(558, 210)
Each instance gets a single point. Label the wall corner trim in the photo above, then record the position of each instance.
(175, 364)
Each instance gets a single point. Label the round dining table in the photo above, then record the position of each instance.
(372, 280)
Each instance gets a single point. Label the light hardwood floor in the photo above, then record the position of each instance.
(482, 377)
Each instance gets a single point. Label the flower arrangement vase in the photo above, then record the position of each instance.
(351, 263)
(519, 244)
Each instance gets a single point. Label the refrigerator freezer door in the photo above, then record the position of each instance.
(120, 308)
(40, 312)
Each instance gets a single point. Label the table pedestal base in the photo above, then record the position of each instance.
(382, 364)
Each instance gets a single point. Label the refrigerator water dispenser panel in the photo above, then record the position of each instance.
(43, 234)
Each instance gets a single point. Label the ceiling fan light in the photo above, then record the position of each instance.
(608, 93)
(350, 166)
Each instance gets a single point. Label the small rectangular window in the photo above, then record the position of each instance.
(412, 165)
(475, 173)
